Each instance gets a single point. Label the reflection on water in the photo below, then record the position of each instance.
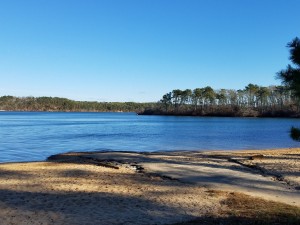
(27, 136)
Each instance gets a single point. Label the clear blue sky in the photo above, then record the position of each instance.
(137, 50)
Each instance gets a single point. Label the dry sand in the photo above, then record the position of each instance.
(77, 188)
(66, 193)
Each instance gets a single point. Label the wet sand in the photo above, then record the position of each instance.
(132, 188)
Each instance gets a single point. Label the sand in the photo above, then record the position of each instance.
(66, 193)
(131, 188)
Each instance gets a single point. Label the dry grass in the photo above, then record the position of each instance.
(241, 209)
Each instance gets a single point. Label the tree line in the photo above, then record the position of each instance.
(253, 100)
(11, 103)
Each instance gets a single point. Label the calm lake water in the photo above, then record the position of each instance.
(30, 136)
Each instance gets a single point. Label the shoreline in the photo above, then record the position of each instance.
(293, 116)
(147, 188)
(274, 164)
(156, 151)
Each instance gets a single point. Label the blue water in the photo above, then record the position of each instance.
(30, 136)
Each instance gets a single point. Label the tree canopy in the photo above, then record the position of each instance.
(11, 103)
(291, 77)
(253, 100)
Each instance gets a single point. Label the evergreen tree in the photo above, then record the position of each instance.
(291, 77)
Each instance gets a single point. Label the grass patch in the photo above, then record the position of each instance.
(241, 209)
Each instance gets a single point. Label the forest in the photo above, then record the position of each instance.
(55, 104)
(252, 101)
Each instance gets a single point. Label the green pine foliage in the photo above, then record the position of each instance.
(291, 78)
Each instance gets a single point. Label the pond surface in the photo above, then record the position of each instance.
(31, 136)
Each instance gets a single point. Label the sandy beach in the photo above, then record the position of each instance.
(144, 188)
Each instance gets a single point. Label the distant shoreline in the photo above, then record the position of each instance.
(293, 116)
(65, 111)
(57, 104)
(275, 114)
